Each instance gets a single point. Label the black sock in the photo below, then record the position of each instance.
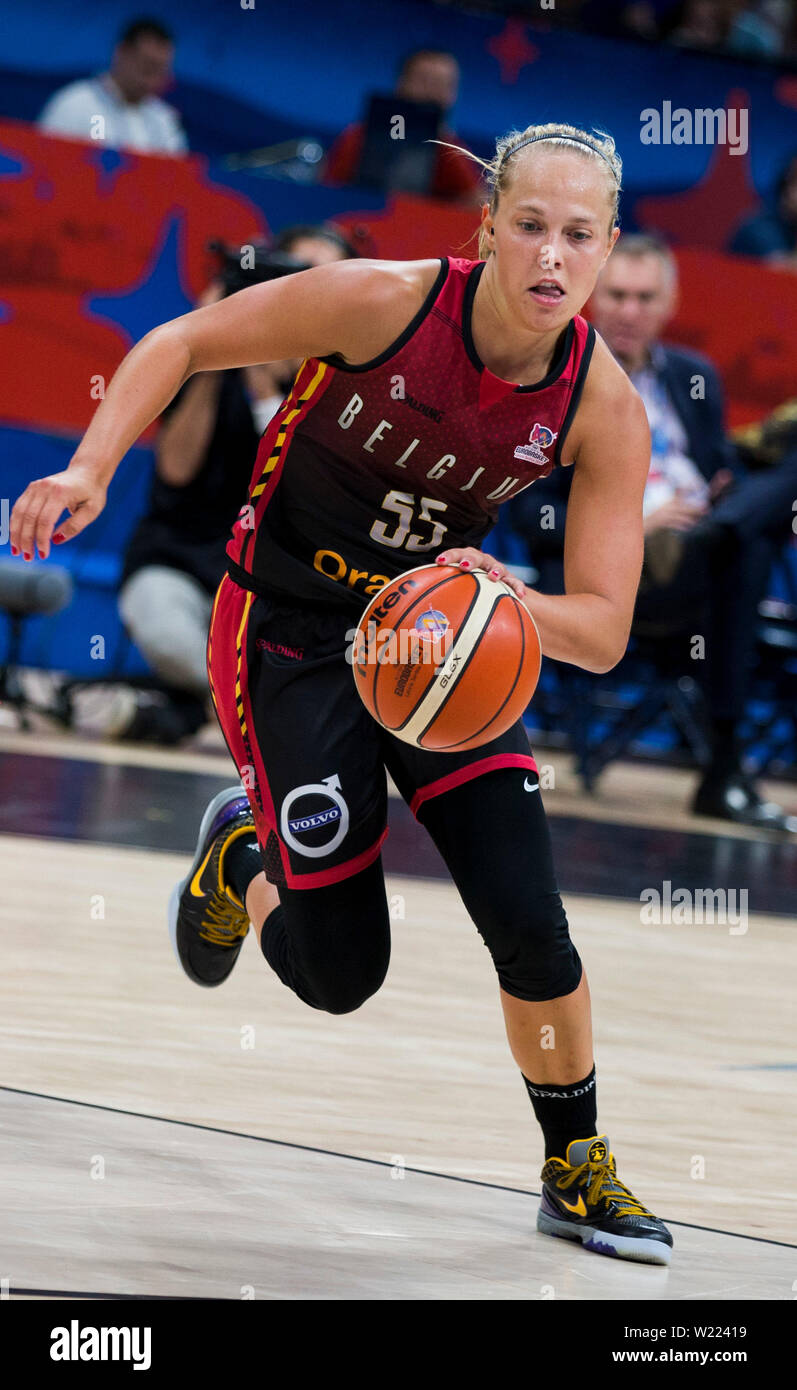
(564, 1113)
(242, 862)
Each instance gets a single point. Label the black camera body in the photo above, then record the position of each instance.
(261, 266)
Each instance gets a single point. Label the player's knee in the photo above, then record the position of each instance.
(535, 981)
(344, 995)
(533, 954)
(332, 944)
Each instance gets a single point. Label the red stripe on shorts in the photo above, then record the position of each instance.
(322, 877)
(269, 813)
(228, 613)
(466, 774)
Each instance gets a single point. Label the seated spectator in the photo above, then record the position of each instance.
(728, 26)
(204, 455)
(773, 235)
(641, 19)
(711, 532)
(760, 30)
(426, 75)
(122, 107)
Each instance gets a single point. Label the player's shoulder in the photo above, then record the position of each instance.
(610, 405)
(374, 300)
(382, 282)
(608, 389)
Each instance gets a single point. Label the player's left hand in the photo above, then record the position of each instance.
(471, 559)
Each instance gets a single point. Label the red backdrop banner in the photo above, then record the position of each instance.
(79, 223)
(95, 247)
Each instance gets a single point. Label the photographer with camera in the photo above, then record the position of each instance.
(204, 455)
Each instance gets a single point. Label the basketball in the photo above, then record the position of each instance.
(446, 659)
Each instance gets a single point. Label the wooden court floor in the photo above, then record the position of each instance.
(166, 1140)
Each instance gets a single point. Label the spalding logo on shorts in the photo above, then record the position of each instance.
(332, 811)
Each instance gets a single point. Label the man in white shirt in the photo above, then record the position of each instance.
(122, 108)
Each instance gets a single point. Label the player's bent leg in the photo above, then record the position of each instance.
(331, 945)
(317, 791)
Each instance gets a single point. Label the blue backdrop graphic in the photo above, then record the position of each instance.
(280, 70)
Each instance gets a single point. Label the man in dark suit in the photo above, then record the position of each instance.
(711, 530)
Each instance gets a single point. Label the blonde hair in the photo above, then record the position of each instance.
(595, 144)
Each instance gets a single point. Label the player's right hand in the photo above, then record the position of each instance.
(37, 511)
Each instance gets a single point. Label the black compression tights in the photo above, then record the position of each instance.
(331, 945)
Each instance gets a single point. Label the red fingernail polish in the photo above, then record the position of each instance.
(495, 572)
(465, 564)
(27, 556)
(441, 559)
(14, 550)
(41, 555)
(57, 538)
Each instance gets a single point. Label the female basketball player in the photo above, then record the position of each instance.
(430, 392)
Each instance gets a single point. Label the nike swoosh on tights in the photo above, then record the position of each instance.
(527, 788)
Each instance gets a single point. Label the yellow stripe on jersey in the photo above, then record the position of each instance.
(239, 703)
(306, 395)
(210, 636)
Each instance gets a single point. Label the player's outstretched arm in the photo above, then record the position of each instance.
(352, 307)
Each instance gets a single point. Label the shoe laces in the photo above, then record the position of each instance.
(604, 1185)
(223, 924)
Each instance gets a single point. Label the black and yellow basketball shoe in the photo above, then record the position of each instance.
(207, 921)
(584, 1200)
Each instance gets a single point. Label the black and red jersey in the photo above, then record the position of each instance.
(369, 470)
